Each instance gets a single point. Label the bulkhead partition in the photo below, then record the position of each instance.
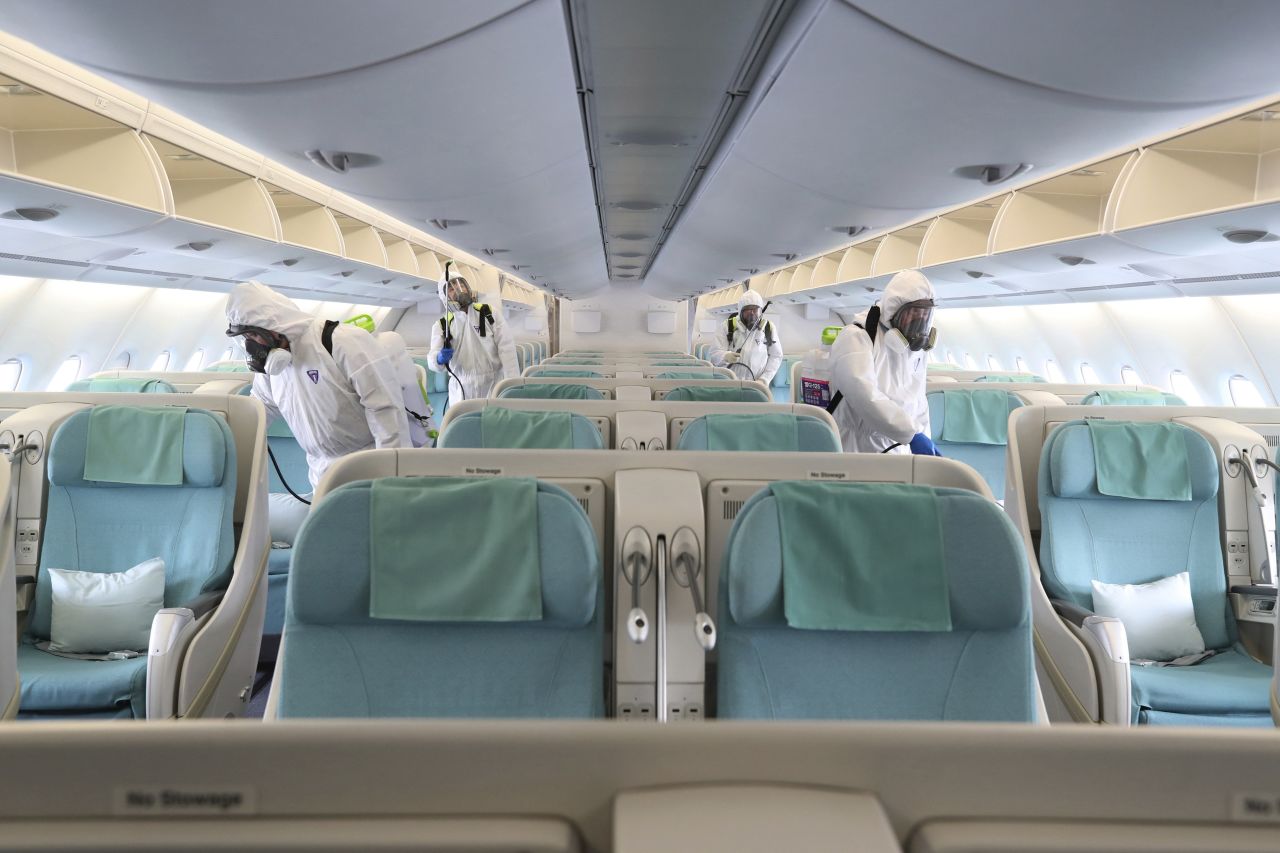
(650, 510)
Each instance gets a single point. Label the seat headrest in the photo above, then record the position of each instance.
(330, 579)
(1139, 397)
(713, 394)
(983, 560)
(553, 391)
(123, 385)
(1072, 463)
(206, 439)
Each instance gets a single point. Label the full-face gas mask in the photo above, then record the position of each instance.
(459, 293)
(914, 323)
(268, 351)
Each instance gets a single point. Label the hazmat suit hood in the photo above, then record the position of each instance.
(905, 287)
(254, 304)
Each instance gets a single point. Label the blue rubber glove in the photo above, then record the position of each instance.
(922, 445)
(444, 355)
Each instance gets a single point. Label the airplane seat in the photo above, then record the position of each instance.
(1137, 503)
(694, 373)
(123, 385)
(496, 609)
(710, 394)
(495, 426)
(782, 378)
(874, 601)
(1137, 397)
(775, 433)
(130, 512)
(551, 390)
(286, 514)
(9, 694)
(977, 433)
(576, 374)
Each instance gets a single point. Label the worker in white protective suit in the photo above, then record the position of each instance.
(332, 383)
(878, 371)
(748, 345)
(418, 410)
(470, 343)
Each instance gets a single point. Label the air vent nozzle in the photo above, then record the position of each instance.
(195, 246)
(30, 214)
(992, 173)
(1249, 235)
(340, 161)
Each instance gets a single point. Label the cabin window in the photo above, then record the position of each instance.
(10, 373)
(1021, 364)
(1243, 392)
(228, 354)
(993, 363)
(1185, 388)
(1088, 374)
(1052, 372)
(121, 362)
(1130, 376)
(196, 361)
(69, 372)
(969, 362)
(162, 361)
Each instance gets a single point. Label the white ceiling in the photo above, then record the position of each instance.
(861, 113)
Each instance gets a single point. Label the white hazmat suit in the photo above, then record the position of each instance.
(334, 404)
(415, 395)
(479, 360)
(883, 383)
(749, 353)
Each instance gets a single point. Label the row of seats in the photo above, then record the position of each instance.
(383, 620)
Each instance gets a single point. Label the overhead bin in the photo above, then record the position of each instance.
(311, 244)
(1207, 190)
(430, 266)
(856, 262)
(899, 250)
(825, 271)
(801, 275)
(65, 170)
(955, 247)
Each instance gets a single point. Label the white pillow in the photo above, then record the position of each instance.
(286, 514)
(96, 612)
(1159, 617)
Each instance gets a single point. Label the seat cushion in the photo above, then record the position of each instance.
(56, 684)
(1230, 684)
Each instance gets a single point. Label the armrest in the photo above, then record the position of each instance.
(1255, 591)
(1073, 613)
(203, 603)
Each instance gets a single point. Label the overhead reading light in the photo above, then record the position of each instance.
(185, 157)
(851, 230)
(19, 89)
(649, 139)
(288, 262)
(446, 224)
(633, 235)
(628, 254)
(977, 274)
(636, 205)
(518, 267)
(385, 281)
(992, 173)
(1263, 115)
(492, 252)
(1086, 173)
(340, 161)
(30, 214)
(1073, 260)
(195, 246)
(344, 274)
(750, 271)
(786, 256)
(1249, 235)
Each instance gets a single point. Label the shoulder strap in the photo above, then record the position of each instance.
(326, 335)
(732, 327)
(873, 323)
(486, 316)
(768, 334)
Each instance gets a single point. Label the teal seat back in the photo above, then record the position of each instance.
(712, 394)
(123, 385)
(987, 459)
(465, 431)
(1132, 398)
(338, 661)
(1086, 535)
(569, 373)
(111, 527)
(982, 669)
(551, 391)
(812, 435)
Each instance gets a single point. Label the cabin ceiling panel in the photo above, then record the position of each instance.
(863, 125)
(483, 126)
(242, 41)
(1171, 52)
